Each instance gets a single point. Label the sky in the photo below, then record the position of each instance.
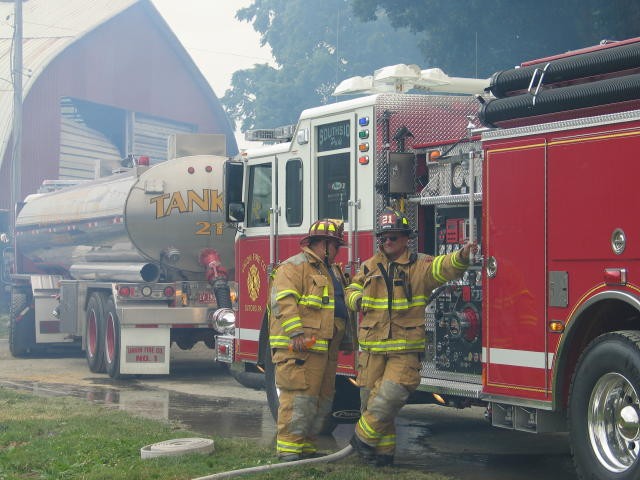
(218, 43)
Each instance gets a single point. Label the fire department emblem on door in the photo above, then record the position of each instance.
(253, 282)
(253, 267)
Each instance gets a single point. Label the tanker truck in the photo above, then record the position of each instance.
(124, 266)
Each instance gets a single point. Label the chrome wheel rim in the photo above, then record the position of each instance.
(612, 422)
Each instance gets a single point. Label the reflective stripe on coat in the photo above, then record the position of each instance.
(302, 301)
(393, 299)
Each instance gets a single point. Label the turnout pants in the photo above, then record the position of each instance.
(307, 387)
(385, 381)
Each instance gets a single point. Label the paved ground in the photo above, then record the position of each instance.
(206, 399)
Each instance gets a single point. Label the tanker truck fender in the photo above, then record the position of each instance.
(21, 322)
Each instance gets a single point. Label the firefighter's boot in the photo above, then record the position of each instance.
(366, 452)
(384, 460)
(289, 457)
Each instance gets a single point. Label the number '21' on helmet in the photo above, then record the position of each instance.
(391, 220)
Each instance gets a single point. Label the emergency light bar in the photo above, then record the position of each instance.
(402, 78)
(275, 135)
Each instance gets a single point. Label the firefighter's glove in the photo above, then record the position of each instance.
(467, 250)
(300, 343)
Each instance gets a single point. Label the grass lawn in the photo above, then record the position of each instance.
(68, 438)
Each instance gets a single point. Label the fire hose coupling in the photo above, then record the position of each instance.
(171, 255)
(210, 259)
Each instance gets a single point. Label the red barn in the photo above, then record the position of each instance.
(102, 80)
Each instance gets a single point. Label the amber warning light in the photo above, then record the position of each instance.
(615, 276)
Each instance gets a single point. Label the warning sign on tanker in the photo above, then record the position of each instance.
(145, 354)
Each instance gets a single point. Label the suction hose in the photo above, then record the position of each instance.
(333, 457)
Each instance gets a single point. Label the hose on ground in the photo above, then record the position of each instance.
(333, 457)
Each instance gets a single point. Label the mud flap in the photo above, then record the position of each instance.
(145, 351)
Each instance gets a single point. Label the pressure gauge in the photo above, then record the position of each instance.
(458, 176)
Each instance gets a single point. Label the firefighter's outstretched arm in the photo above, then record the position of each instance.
(448, 267)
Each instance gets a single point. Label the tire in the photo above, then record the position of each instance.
(604, 408)
(273, 394)
(22, 330)
(346, 404)
(112, 340)
(94, 333)
(254, 380)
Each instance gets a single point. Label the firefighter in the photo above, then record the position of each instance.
(391, 290)
(307, 324)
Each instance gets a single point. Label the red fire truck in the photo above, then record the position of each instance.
(544, 328)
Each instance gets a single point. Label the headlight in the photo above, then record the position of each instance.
(224, 320)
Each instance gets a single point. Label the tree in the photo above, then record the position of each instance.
(480, 37)
(315, 45)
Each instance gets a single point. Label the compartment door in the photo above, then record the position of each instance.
(515, 349)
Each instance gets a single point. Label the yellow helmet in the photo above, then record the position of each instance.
(328, 228)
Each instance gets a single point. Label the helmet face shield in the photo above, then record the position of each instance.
(391, 220)
(326, 229)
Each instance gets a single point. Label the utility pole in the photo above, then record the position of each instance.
(16, 154)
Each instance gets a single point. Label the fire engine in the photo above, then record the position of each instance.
(544, 328)
(125, 265)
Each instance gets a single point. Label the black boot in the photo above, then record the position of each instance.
(384, 460)
(289, 457)
(366, 452)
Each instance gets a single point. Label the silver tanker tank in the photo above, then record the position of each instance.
(143, 224)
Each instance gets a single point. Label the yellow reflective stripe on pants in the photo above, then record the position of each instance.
(289, 447)
(367, 432)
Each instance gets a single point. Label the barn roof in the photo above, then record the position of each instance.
(49, 27)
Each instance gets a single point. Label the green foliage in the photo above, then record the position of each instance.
(480, 37)
(315, 45)
(67, 438)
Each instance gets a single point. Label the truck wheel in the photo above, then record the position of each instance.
(248, 376)
(94, 331)
(346, 404)
(112, 340)
(273, 394)
(22, 334)
(604, 408)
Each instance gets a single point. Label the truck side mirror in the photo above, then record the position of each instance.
(235, 212)
(233, 177)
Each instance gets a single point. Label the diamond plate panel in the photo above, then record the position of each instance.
(431, 119)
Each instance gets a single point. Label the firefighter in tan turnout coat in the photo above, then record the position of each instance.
(391, 290)
(307, 324)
